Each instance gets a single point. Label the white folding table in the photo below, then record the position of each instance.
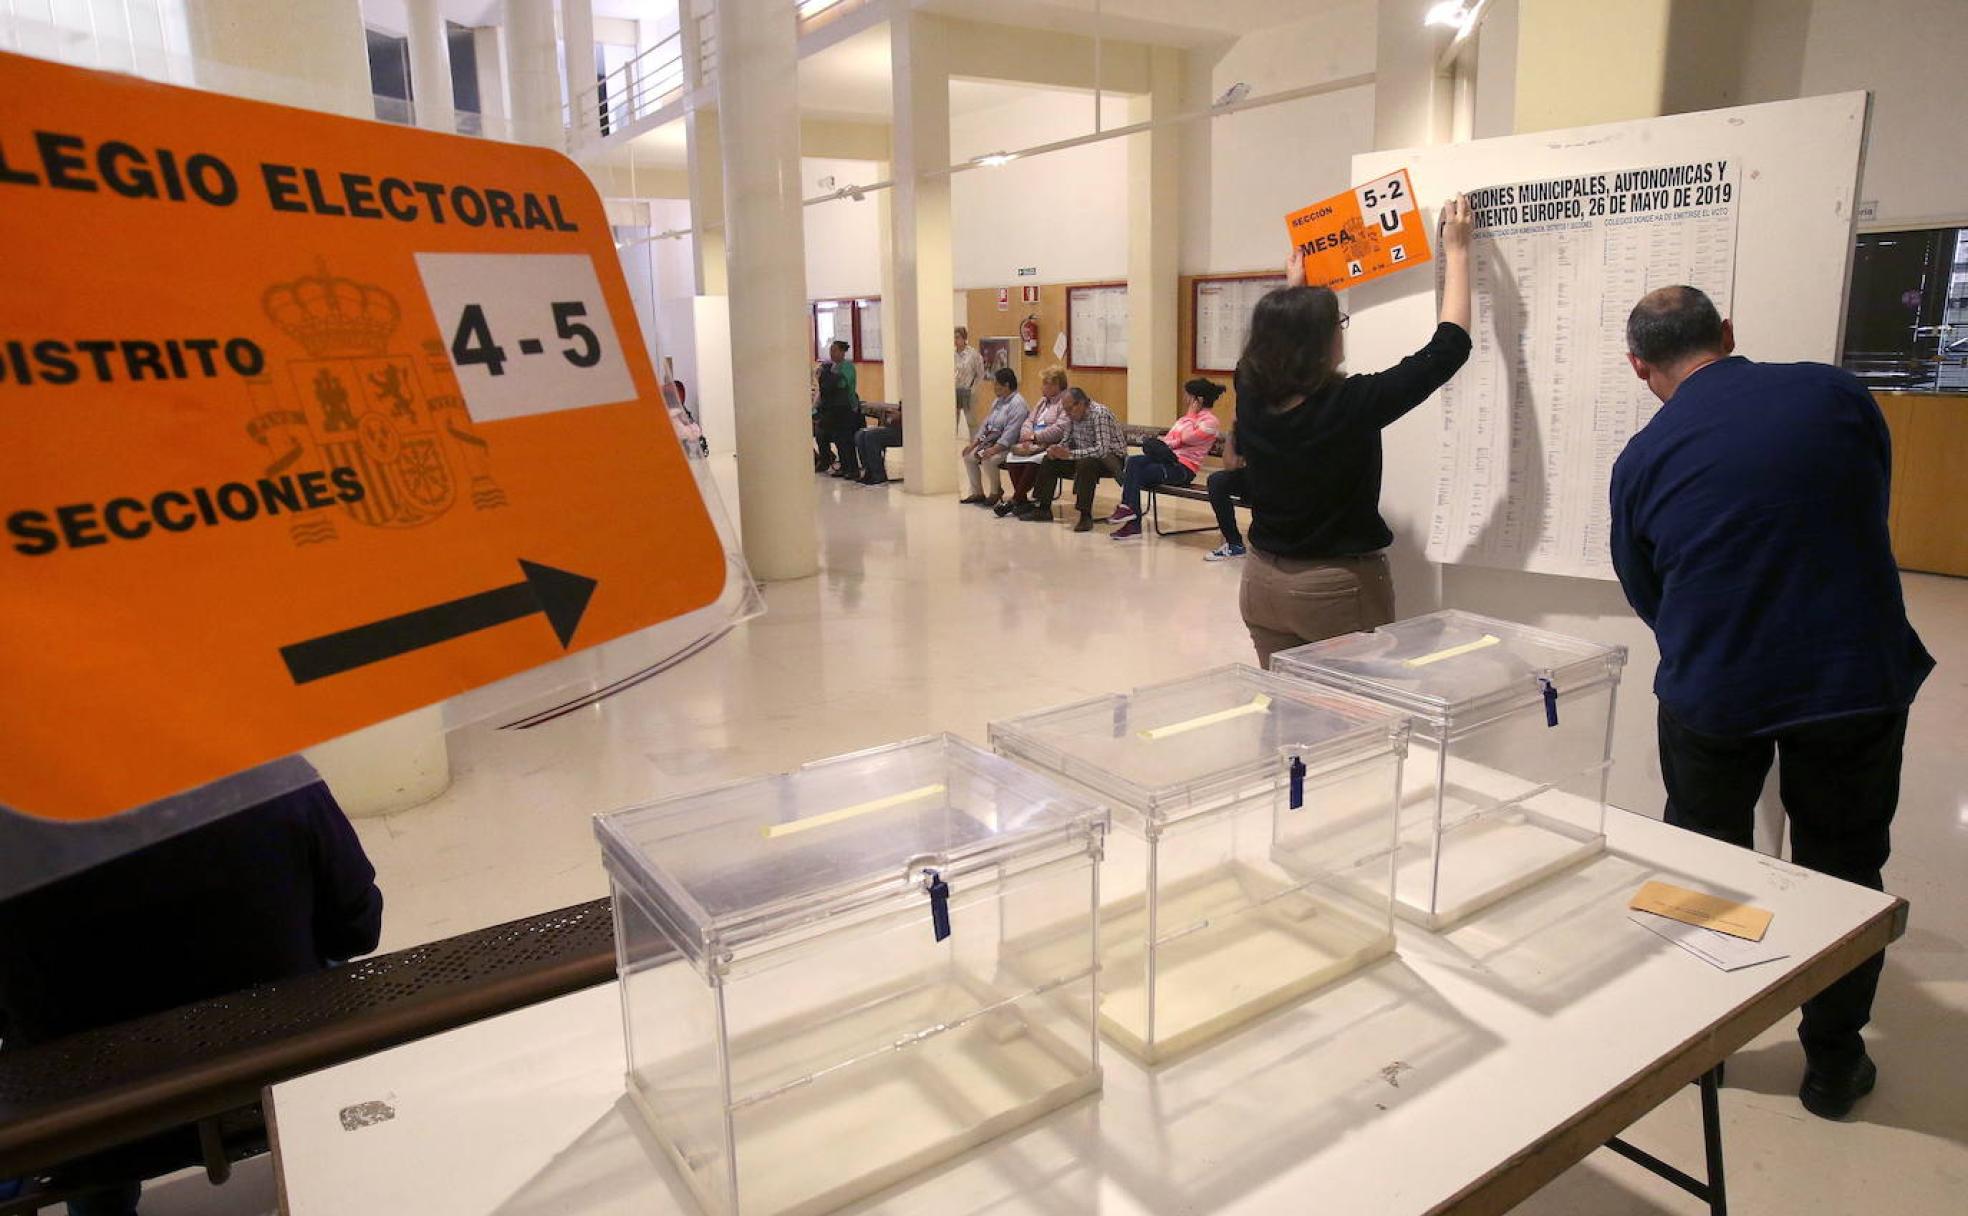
(1460, 1076)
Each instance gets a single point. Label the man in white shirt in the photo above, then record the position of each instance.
(970, 369)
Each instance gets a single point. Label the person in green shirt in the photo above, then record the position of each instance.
(839, 409)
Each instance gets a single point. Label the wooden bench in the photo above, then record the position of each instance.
(1195, 491)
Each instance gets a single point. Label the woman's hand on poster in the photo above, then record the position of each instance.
(1456, 223)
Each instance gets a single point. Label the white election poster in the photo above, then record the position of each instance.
(1531, 427)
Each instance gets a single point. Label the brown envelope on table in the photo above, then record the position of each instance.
(1704, 911)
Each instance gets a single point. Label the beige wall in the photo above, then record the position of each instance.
(1584, 63)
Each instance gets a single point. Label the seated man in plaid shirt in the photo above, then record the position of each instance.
(1094, 447)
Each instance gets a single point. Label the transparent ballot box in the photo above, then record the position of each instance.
(815, 991)
(1513, 738)
(1235, 880)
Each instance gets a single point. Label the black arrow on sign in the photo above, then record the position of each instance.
(561, 596)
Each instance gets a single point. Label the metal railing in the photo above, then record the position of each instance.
(640, 87)
(657, 77)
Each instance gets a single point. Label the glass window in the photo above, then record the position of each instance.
(1906, 321)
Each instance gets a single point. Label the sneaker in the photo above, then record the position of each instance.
(1037, 515)
(1127, 531)
(971, 501)
(1121, 514)
(1085, 523)
(991, 502)
(1006, 508)
(1223, 553)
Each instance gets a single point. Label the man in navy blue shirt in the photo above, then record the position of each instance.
(1749, 532)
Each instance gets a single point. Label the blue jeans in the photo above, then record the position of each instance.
(1141, 472)
(873, 445)
(1225, 485)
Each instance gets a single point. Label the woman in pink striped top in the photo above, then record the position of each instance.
(1171, 460)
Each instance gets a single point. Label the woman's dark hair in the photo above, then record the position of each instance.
(1289, 351)
(1008, 378)
(1205, 391)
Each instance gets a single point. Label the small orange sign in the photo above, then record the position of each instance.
(1361, 234)
(305, 422)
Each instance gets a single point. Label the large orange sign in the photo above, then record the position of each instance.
(305, 422)
(1361, 234)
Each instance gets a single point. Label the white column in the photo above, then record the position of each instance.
(430, 67)
(1412, 97)
(700, 131)
(1154, 239)
(311, 55)
(533, 73)
(923, 361)
(706, 200)
(765, 249)
(577, 43)
(891, 330)
(494, 110)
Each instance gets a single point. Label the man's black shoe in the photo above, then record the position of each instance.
(1831, 1093)
(1037, 515)
(1085, 524)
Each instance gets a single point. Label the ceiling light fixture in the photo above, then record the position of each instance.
(1451, 13)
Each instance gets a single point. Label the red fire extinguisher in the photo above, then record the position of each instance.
(1028, 331)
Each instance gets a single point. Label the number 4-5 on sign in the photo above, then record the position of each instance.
(525, 332)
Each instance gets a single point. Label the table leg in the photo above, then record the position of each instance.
(1713, 1191)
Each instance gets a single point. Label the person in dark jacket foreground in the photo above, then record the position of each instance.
(1749, 532)
(278, 890)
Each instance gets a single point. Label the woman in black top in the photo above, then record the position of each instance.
(1309, 436)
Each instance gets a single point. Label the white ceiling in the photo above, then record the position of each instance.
(849, 81)
(1185, 23)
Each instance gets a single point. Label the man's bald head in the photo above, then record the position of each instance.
(1672, 325)
(1673, 333)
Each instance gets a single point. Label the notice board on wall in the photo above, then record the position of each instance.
(1223, 307)
(1096, 327)
(1533, 423)
(868, 327)
(1794, 168)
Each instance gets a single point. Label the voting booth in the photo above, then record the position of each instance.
(842, 1013)
(1511, 750)
(1233, 884)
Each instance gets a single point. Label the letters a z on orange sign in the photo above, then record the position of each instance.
(1360, 235)
(305, 422)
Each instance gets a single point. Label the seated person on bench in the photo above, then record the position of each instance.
(1225, 486)
(1043, 427)
(872, 445)
(1171, 460)
(1092, 449)
(984, 456)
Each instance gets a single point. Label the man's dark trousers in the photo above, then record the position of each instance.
(1087, 472)
(1840, 782)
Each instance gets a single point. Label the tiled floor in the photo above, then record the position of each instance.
(931, 617)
